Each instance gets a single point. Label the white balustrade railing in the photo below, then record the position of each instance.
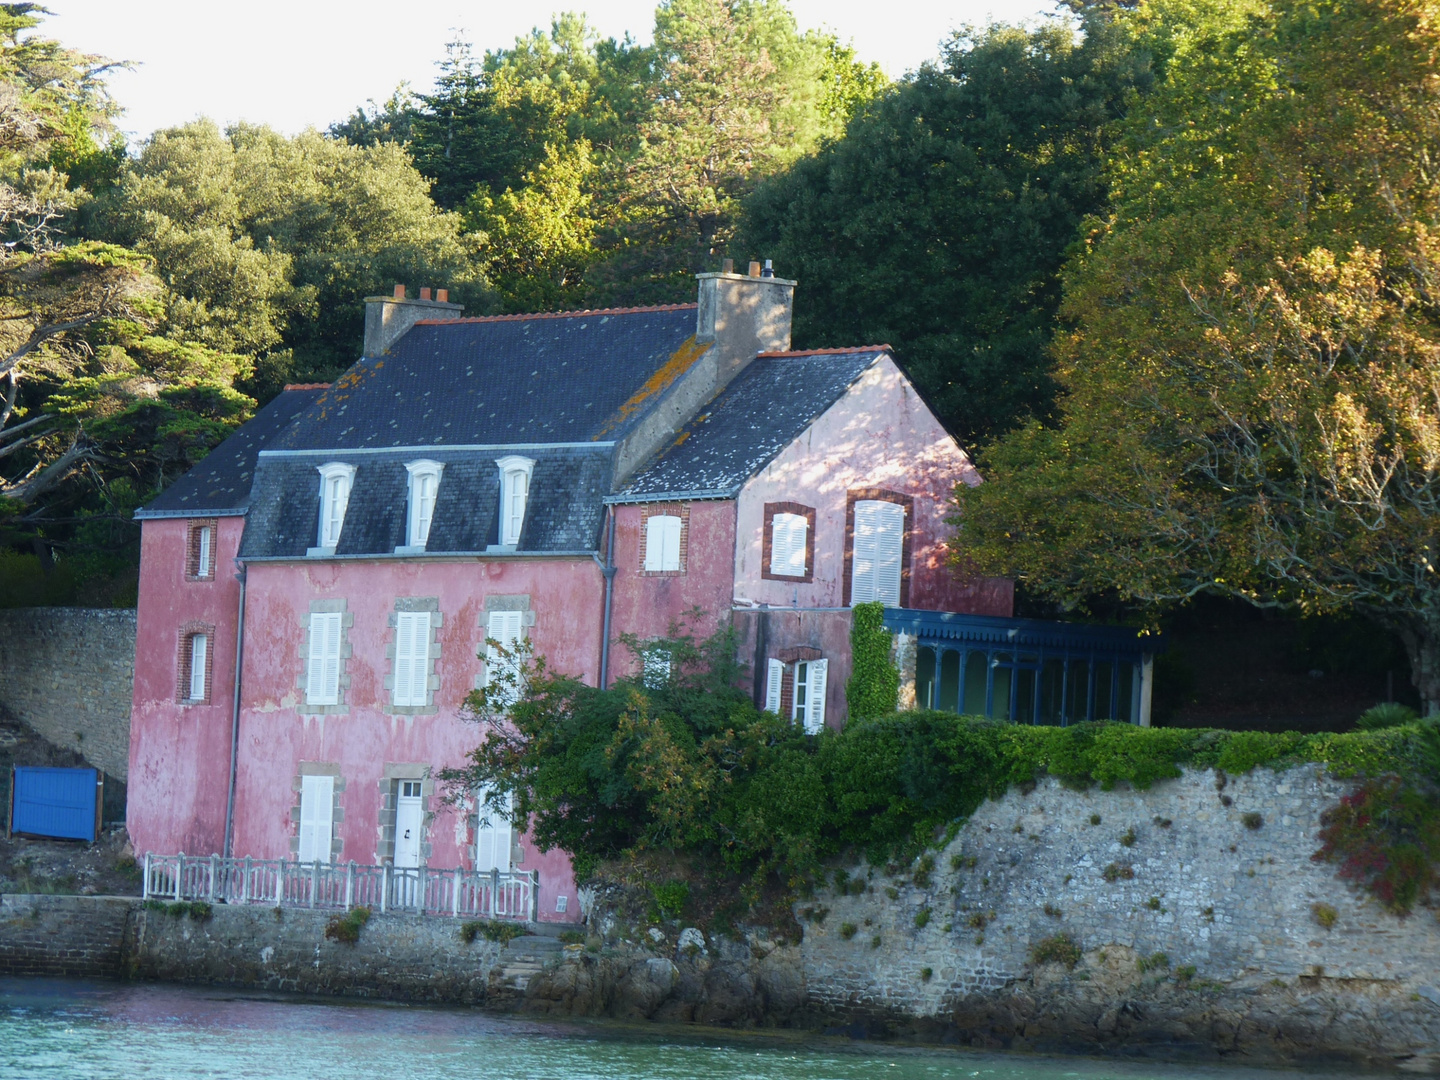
(492, 894)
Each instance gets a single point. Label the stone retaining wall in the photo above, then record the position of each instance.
(69, 673)
(74, 936)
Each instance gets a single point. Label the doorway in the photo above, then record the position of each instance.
(409, 824)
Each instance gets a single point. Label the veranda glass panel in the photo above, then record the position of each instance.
(1125, 679)
(949, 681)
(924, 678)
(977, 669)
(1077, 692)
(1003, 673)
(1025, 693)
(1052, 688)
(1104, 685)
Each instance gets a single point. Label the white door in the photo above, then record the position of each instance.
(493, 843)
(409, 820)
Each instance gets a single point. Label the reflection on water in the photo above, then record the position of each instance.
(82, 1030)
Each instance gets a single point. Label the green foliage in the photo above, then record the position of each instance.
(1114, 872)
(492, 930)
(198, 910)
(874, 686)
(1060, 949)
(1325, 915)
(847, 930)
(346, 928)
(1156, 962)
(668, 899)
(922, 918)
(1252, 820)
(940, 222)
(1387, 715)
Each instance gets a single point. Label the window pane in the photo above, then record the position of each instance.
(1052, 682)
(802, 687)
(198, 645)
(1000, 679)
(925, 678)
(1125, 690)
(1104, 684)
(977, 671)
(1025, 695)
(1077, 692)
(949, 699)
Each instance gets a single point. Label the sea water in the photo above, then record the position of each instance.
(79, 1030)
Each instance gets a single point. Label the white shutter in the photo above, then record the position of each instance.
(815, 696)
(317, 795)
(506, 628)
(672, 543)
(494, 838)
(198, 648)
(787, 544)
(202, 562)
(412, 657)
(876, 556)
(774, 679)
(322, 683)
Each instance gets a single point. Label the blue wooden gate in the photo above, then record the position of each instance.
(60, 803)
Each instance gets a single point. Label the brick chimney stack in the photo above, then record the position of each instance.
(388, 317)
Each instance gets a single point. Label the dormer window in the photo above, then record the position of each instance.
(336, 479)
(514, 495)
(424, 486)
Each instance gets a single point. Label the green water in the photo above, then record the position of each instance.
(83, 1030)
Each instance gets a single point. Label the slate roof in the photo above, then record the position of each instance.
(764, 409)
(220, 484)
(506, 380)
(563, 513)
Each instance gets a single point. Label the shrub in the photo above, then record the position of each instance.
(875, 942)
(346, 928)
(489, 929)
(568, 937)
(1391, 714)
(1386, 837)
(1118, 872)
(1094, 819)
(848, 930)
(1252, 819)
(1324, 914)
(923, 870)
(926, 974)
(922, 918)
(1060, 949)
(198, 910)
(1053, 911)
(668, 900)
(977, 921)
(1155, 962)
(1128, 838)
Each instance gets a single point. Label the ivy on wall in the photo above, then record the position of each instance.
(874, 686)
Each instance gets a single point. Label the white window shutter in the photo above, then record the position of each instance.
(494, 838)
(654, 542)
(198, 648)
(672, 543)
(412, 656)
(317, 796)
(815, 697)
(322, 682)
(506, 628)
(787, 544)
(331, 681)
(862, 555)
(877, 553)
(774, 680)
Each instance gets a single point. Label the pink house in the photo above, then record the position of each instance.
(316, 596)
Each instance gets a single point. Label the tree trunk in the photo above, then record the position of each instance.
(1422, 644)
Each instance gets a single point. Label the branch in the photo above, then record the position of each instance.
(30, 489)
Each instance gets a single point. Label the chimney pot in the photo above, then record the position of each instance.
(399, 292)
(754, 268)
(727, 266)
(442, 295)
(425, 291)
(769, 270)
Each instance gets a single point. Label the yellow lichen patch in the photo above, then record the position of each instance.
(681, 437)
(680, 362)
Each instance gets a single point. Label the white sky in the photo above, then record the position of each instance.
(298, 63)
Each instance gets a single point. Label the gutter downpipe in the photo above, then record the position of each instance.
(608, 569)
(235, 715)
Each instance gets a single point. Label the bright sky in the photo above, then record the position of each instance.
(298, 63)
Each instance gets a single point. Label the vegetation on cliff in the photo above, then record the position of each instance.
(687, 764)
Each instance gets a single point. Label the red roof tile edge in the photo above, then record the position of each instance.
(830, 352)
(558, 314)
(307, 386)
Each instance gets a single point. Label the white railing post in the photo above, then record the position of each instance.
(455, 879)
(420, 890)
(280, 883)
(145, 893)
(384, 887)
(494, 888)
(179, 873)
(245, 883)
(349, 884)
(535, 896)
(314, 880)
(214, 865)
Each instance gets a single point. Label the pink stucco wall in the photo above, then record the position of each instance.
(275, 737)
(879, 434)
(648, 605)
(179, 754)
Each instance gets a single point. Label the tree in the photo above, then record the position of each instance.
(940, 222)
(1252, 383)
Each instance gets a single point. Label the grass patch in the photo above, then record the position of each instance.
(1324, 915)
(1118, 872)
(922, 918)
(491, 930)
(196, 909)
(346, 928)
(848, 930)
(1060, 949)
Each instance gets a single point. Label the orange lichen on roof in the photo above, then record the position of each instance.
(681, 360)
(307, 386)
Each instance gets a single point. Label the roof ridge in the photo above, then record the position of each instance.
(827, 352)
(306, 386)
(559, 314)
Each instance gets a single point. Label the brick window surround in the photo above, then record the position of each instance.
(808, 513)
(182, 662)
(192, 549)
(680, 510)
(855, 495)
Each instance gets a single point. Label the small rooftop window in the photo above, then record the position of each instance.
(336, 478)
(514, 496)
(424, 487)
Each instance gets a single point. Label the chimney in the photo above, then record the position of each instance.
(388, 317)
(743, 315)
(739, 315)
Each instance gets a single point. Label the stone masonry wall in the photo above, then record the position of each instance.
(68, 673)
(73, 936)
(1234, 903)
